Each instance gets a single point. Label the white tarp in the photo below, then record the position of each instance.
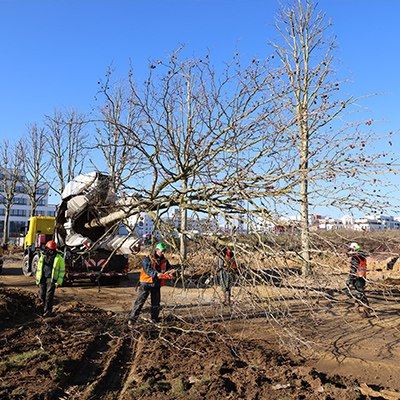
(80, 183)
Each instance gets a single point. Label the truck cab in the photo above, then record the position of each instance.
(40, 230)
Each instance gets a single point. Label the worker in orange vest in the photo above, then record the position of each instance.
(356, 280)
(226, 271)
(155, 269)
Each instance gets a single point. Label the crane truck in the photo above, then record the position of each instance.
(85, 229)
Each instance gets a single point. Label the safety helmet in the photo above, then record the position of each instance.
(51, 244)
(354, 246)
(161, 246)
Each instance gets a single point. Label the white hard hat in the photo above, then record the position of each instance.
(354, 246)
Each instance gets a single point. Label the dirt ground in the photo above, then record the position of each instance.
(200, 350)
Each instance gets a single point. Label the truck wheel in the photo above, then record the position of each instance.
(25, 266)
(35, 261)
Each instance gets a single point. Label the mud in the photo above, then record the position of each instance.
(86, 351)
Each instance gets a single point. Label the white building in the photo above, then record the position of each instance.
(265, 226)
(348, 221)
(145, 224)
(367, 224)
(142, 225)
(330, 224)
(387, 221)
(21, 211)
(195, 224)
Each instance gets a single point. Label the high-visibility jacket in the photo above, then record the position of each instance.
(226, 260)
(362, 267)
(150, 268)
(230, 261)
(57, 273)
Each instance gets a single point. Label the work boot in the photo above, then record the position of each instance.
(366, 313)
(227, 299)
(357, 308)
(48, 313)
(131, 322)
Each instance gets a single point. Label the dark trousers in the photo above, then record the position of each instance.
(46, 293)
(226, 280)
(144, 292)
(356, 285)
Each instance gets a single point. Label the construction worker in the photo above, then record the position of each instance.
(226, 272)
(155, 269)
(356, 279)
(49, 275)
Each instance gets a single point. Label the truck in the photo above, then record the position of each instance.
(86, 229)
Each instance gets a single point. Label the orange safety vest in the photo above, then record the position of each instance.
(362, 268)
(148, 279)
(228, 258)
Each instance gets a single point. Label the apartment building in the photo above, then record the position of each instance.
(318, 222)
(21, 210)
(143, 224)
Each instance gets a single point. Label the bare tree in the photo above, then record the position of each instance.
(202, 135)
(34, 165)
(325, 147)
(250, 142)
(66, 144)
(117, 117)
(10, 176)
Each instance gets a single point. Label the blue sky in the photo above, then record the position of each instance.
(53, 53)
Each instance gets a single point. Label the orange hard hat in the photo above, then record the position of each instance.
(51, 244)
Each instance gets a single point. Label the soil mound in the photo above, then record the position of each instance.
(84, 352)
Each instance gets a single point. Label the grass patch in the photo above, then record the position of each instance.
(59, 372)
(14, 362)
(19, 391)
(178, 388)
(140, 390)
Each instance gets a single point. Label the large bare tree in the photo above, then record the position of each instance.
(254, 140)
(66, 145)
(34, 164)
(202, 135)
(116, 118)
(10, 176)
(332, 155)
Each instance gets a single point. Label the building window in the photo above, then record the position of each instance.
(39, 213)
(19, 189)
(41, 203)
(51, 213)
(17, 213)
(23, 201)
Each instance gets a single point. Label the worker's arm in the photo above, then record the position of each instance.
(169, 271)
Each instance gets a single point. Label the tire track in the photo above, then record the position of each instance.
(110, 370)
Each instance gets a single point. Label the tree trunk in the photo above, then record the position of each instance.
(5, 229)
(304, 224)
(183, 228)
(183, 241)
